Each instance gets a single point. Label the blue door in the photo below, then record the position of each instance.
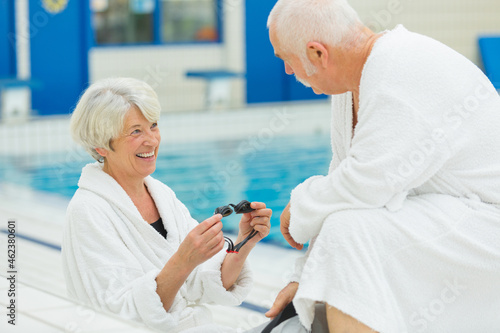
(266, 77)
(59, 53)
(7, 40)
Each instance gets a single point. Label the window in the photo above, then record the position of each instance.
(154, 21)
(189, 20)
(123, 21)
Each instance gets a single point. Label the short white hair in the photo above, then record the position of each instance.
(297, 22)
(100, 113)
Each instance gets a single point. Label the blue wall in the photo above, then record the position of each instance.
(7, 45)
(59, 55)
(266, 77)
(489, 46)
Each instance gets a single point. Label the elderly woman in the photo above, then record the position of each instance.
(130, 246)
(405, 228)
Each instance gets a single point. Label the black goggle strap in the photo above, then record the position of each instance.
(238, 246)
(230, 245)
(231, 248)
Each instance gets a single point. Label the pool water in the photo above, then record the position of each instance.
(204, 175)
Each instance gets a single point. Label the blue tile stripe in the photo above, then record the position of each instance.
(253, 307)
(245, 305)
(34, 240)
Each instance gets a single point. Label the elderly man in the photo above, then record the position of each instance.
(405, 228)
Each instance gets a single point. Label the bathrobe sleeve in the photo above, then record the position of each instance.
(394, 149)
(102, 270)
(300, 262)
(204, 284)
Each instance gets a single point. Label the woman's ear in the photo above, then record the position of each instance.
(102, 151)
(317, 54)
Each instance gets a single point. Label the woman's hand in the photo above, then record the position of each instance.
(202, 243)
(259, 220)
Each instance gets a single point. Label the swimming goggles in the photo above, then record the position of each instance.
(240, 208)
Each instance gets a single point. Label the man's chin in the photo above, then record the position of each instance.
(307, 85)
(303, 82)
(316, 91)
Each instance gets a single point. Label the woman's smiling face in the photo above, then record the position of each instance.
(134, 151)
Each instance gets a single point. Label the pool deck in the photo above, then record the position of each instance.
(41, 302)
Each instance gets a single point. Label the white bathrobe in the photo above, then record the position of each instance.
(111, 257)
(405, 227)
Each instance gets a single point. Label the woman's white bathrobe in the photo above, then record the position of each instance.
(111, 257)
(405, 228)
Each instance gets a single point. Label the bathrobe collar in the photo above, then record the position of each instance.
(94, 179)
(341, 128)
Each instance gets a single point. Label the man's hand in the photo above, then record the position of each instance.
(285, 296)
(285, 224)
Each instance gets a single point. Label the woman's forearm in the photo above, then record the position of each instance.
(170, 280)
(201, 243)
(233, 264)
(257, 220)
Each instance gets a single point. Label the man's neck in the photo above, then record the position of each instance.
(359, 54)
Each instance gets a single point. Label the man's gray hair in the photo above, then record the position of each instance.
(298, 22)
(100, 113)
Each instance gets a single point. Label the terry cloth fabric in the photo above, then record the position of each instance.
(405, 227)
(111, 257)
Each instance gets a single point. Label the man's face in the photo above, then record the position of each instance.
(293, 65)
(330, 80)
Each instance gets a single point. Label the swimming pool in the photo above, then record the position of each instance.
(204, 175)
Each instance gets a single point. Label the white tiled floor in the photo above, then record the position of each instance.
(42, 311)
(41, 302)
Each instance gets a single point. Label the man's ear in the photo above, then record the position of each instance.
(101, 151)
(317, 54)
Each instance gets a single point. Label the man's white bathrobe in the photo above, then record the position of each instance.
(405, 228)
(111, 257)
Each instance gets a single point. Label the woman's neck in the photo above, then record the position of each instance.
(135, 188)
